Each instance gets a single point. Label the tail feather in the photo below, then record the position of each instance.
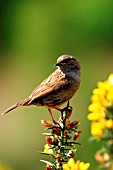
(22, 103)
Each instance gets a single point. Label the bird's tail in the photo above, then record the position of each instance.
(21, 103)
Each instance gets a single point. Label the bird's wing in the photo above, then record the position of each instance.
(55, 81)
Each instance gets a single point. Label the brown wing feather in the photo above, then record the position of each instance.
(49, 84)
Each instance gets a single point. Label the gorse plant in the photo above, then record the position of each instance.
(61, 142)
(101, 117)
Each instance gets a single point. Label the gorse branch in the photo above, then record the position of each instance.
(61, 141)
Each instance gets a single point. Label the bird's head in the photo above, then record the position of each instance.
(68, 62)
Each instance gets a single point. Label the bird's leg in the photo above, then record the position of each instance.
(55, 107)
(61, 110)
(52, 116)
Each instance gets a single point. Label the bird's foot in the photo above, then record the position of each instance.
(67, 110)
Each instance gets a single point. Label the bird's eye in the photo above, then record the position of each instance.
(64, 64)
(67, 60)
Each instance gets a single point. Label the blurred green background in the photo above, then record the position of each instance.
(33, 33)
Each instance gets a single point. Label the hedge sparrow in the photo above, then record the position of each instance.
(56, 89)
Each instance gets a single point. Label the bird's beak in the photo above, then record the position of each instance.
(58, 64)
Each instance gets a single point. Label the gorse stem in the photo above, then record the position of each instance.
(61, 139)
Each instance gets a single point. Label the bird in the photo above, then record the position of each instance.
(56, 89)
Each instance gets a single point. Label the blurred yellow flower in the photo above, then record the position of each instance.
(95, 116)
(109, 123)
(110, 79)
(48, 150)
(94, 107)
(4, 167)
(72, 165)
(97, 128)
(101, 99)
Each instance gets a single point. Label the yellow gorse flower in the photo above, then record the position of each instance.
(109, 124)
(48, 150)
(72, 165)
(101, 99)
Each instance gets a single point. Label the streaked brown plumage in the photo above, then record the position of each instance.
(56, 89)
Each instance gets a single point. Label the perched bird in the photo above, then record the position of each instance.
(56, 89)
